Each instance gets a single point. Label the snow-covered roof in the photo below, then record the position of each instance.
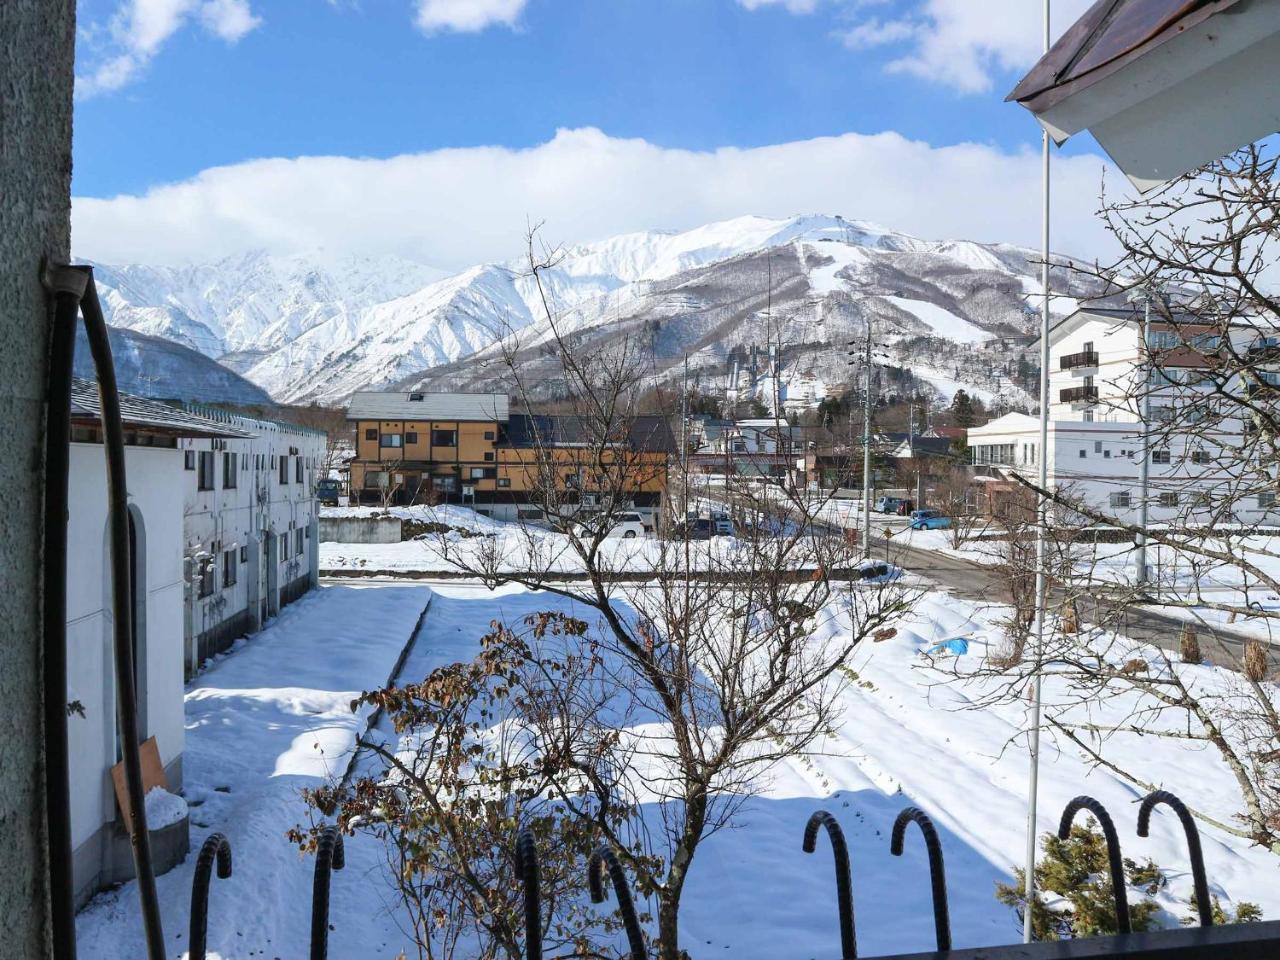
(138, 412)
(420, 405)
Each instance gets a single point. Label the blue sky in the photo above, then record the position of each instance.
(169, 89)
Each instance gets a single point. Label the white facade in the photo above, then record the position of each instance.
(1099, 380)
(250, 528)
(155, 507)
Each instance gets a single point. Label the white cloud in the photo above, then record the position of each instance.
(467, 16)
(457, 207)
(229, 19)
(965, 43)
(139, 29)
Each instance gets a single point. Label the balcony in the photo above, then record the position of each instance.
(1079, 395)
(1075, 361)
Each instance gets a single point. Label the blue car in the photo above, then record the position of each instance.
(929, 520)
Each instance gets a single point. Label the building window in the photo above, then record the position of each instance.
(1200, 456)
(1120, 499)
(189, 460)
(1168, 500)
(206, 579)
(229, 569)
(284, 547)
(445, 484)
(371, 433)
(204, 477)
(411, 437)
(374, 479)
(477, 473)
(297, 469)
(415, 398)
(390, 440)
(1266, 501)
(1083, 453)
(444, 438)
(244, 554)
(1106, 454)
(1097, 446)
(504, 481)
(488, 434)
(489, 456)
(228, 471)
(1160, 456)
(297, 541)
(284, 470)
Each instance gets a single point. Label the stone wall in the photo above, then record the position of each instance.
(360, 529)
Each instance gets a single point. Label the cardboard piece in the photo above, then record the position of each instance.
(152, 776)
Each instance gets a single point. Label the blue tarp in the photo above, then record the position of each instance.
(957, 645)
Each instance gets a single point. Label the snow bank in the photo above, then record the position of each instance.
(163, 808)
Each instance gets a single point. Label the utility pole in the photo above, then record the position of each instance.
(866, 442)
(1144, 415)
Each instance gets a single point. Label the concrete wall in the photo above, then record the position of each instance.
(360, 529)
(37, 47)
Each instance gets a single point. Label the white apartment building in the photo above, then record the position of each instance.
(1101, 376)
(250, 527)
(153, 463)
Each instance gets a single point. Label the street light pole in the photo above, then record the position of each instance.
(1042, 511)
(1144, 471)
(866, 451)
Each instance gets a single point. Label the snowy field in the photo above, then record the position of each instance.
(273, 717)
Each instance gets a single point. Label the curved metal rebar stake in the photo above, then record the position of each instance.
(937, 872)
(329, 856)
(844, 888)
(529, 874)
(1204, 906)
(1118, 884)
(216, 847)
(604, 857)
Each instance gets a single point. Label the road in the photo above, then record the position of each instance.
(975, 581)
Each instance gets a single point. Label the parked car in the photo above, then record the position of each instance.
(929, 520)
(694, 528)
(888, 504)
(327, 491)
(628, 525)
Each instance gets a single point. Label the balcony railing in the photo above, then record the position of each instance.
(1073, 361)
(1080, 395)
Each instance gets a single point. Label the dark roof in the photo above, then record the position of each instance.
(1111, 34)
(644, 434)
(152, 415)
(929, 446)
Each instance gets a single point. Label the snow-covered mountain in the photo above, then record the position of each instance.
(318, 328)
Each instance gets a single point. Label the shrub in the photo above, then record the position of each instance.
(1189, 645)
(1255, 661)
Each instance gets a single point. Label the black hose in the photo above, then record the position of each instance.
(122, 614)
(67, 286)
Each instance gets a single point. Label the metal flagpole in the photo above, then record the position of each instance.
(1042, 510)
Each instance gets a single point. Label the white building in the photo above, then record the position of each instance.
(1100, 375)
(250, 527)
(101, 848)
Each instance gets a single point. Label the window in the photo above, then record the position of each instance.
(1163, 339)
(297, 541)
(1097, 446)
(411, 437)
(297, 469)
(1106, 454)
(1168, 500)
(445, 484)
(444, 438)
(204, 478)
(371, 433)
(228, 471)
(206, 579)
(244, 554)
(489, 456)
(374, 479)
(229, 569)
(488, 434)
(1120, 499)
(504, 481)
(415, 398)
(1199, 456)
(189, 460)
(1160, 456)
(1162, 414)
(477, 473)
(1083, 453)
(391, 441)
(1266, 501)
(284, 470)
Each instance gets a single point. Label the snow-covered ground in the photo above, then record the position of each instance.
(273, 718)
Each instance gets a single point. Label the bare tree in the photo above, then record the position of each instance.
(733, 647)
